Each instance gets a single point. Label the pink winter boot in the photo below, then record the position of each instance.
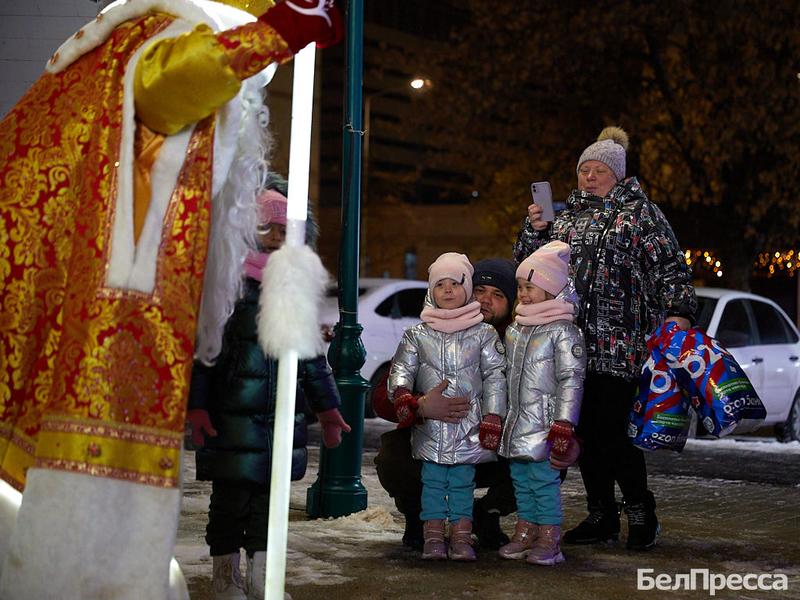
(433, 534)
(525, 533)
(461, 541)
(546, 550)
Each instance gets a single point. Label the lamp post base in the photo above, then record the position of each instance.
(336, 497)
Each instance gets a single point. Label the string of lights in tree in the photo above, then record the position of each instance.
(703, 259)
(768, 264)
(771, 264)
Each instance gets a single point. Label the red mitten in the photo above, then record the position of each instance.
(201, 423)
(490, 430)
(564, 448)
(332, 427)
(405, 405)
(300, 22)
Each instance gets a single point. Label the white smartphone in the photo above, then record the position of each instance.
(543, 196)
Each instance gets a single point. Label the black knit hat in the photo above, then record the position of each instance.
(497, 272)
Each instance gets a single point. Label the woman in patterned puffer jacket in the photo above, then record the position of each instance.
(631, 276)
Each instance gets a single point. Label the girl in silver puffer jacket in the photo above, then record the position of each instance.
(546, 364)
(452, 344)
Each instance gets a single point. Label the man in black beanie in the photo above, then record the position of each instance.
(495, 287)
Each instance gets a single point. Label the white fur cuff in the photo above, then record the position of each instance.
(292, 288)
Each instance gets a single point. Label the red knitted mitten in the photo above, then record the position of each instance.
(490, 429)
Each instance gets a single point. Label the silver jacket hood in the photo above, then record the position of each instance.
(473, 362)
(546, 365)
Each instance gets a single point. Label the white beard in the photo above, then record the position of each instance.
(233, 225)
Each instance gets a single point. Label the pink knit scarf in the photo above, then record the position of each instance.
(254, 264)
(453, 319)
(545, 312)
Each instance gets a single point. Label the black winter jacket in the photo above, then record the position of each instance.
(239, 394)
(629, 270)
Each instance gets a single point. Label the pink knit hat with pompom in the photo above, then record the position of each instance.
(271, 208)
(451, 265)
(547, 268)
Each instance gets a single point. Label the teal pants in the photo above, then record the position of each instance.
(447, 491)
(537, 487)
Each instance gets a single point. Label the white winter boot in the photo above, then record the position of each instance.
(227, 579)
(256, 576)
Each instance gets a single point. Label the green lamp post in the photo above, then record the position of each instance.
(338, 490)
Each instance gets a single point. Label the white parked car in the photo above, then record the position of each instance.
(386, 307)
(765, 342)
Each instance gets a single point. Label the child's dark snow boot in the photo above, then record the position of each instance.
(412, 536)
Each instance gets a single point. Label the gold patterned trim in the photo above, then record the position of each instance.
(16, 461)
(106, 471)
(10, 435)
(131, 453)
(117, 431)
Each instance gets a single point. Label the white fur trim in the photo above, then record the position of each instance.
(293, 286)
(97, 31)
(79, 536)
(133, 265)
(10, 500)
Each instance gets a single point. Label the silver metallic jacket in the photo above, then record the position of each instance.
(473, 362)
(545, 368)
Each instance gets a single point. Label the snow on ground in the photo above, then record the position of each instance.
(340, 538)
(318, 548)
(746, 444)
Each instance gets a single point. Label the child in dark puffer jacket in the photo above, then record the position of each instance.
(233, 404)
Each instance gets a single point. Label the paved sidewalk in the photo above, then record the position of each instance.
(728, 527)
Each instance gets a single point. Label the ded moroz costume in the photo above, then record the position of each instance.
(129, 173)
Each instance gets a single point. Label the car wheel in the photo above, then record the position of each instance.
(790, 430)
(378, 378)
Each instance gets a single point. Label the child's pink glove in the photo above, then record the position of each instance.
(490, 430)
(332, 427)
(201, 423)
(300, 22)
(564, 446)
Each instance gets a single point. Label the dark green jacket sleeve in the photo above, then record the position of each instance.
(319, 386)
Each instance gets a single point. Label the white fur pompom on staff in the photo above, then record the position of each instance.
(293, 283)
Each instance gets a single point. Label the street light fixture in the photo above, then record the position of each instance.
(418, 84)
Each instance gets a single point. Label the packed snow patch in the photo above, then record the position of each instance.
(344, 537)
(746, 444)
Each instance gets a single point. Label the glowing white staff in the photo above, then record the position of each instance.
(293, 283)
